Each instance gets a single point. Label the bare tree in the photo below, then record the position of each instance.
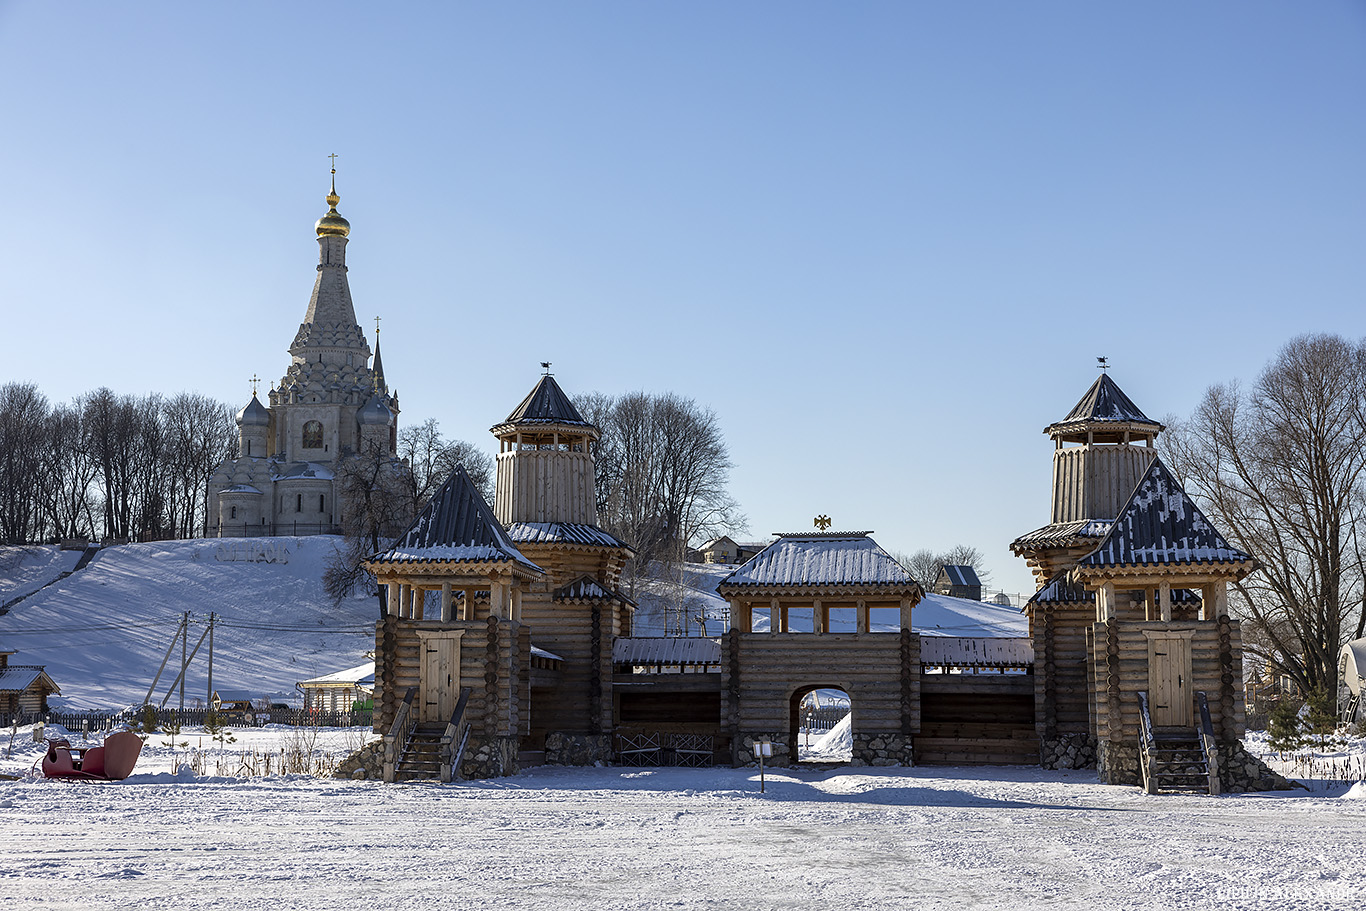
(376, 498)
(661, 473)
(1280, 468)
(432, 458)
(924, 564)
(23, 434)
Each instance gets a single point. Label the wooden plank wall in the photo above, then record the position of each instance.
(546, 486)
(1061, 684)
(1091, 481)
(772, 667)
(1120, 658)
(977, 719)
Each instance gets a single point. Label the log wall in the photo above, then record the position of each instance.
(1120, 671)
(761, 672)
(1094, 482)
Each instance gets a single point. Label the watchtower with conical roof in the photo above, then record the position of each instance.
(545, 464)
(1102, 447)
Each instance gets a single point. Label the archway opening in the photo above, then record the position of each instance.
(822, 719)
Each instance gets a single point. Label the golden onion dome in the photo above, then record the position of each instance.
(332, 224)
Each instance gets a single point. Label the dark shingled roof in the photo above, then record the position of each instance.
(562, 533)
(455, 525)
(1062, 533)
(960, 575)
(1160, 525)
(547, 404)
(1105, 402)
(586, 588)
(1060, 590)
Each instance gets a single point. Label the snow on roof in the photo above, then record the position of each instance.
(586, 588)
(820, 559)
(542, 653)
(562, 533)
(363, 674)
(976, 651)
(1160, 525)
(1062, 532)
(300, 470)
(240, 488)
(456, 525)
(1104, 402)
(18, 677)
(666, 651)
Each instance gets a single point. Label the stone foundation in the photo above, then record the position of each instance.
(882, 750)
(1068, 751)
(569, 748)
(743, 748)
(1240, 772)
(365, 763)
(489, 757)
(1118, 763)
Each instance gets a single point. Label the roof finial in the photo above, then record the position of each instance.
(1103, 364)
(333, 156)
(546, 365)
(822, 522)
(254, 380)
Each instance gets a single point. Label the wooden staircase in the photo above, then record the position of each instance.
(421, 759)
(1178, 759)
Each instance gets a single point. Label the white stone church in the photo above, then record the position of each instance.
(330, 404)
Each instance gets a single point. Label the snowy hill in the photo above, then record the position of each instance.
(103, 631)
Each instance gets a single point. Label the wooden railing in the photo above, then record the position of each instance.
(396, 741)
(451, 751)
(1146, 744)
(1207, 742)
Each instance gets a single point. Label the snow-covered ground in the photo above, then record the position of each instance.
(103, 631)
(998, 838)
(25, 569)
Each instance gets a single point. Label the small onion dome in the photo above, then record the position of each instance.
(254, 415)
(332, 224)
(374, 412)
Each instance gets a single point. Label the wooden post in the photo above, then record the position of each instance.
(1105, 602)
(774, 616)
(497, 596)
(906, 613)
(517, 601)
(741, 616)
(393, 598)
(862, 624)
(1164, 600)
(419, 602)
(446, 602)
(1220, 599)
(817, 620)
(469, 603)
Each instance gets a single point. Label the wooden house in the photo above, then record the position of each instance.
(1138, 664)
(337, 692)
(24, 689)
(958, 582)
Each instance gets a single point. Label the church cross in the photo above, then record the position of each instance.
(377, 329)
(333, 156)
(254, 380)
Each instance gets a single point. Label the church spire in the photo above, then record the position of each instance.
(329, 332)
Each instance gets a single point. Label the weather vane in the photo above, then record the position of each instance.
(546, 365)
(254, 380)
(822, 522)
(1104, 363)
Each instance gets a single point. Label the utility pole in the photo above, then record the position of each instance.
(208, 700)
(184, 650)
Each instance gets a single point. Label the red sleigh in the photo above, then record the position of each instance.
(112, 762)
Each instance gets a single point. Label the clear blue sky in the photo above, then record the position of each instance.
(886, 242)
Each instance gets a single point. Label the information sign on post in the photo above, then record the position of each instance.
(763, 749)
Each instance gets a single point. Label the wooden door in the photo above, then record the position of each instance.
(440, 676)
(1169, 680)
